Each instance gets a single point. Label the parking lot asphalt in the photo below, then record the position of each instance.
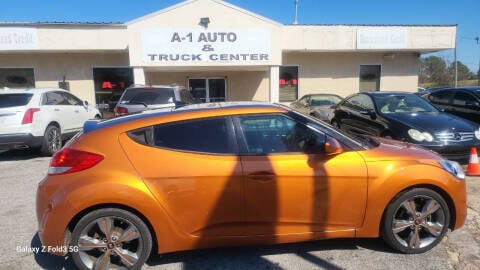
(20, 172)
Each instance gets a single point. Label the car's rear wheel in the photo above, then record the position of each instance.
(111, 238)
(416, 221)
(52, 141)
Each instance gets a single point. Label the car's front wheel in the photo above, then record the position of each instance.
(416, 221)
(110, 238)
(52, 141)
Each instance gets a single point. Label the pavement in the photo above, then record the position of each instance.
(20, 173)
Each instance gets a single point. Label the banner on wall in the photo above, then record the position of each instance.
(377, 38)
(197, 46)
(15, 38)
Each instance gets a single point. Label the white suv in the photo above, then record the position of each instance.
(41, 118)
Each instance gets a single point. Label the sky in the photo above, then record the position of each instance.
(463, 13)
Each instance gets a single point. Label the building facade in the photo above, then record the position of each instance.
(220, 52)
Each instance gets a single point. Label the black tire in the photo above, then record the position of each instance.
(52, 141)
(417, 232)
(90, 245)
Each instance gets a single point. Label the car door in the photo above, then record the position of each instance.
(442, 99)
(56, 108)
(359, 116)
(193, 170)
(291, 185)
(81, 113)
(466, 106)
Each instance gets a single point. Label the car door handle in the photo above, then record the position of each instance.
(57, 110)
(261, 176)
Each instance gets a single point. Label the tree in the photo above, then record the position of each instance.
(463, 72)
(434, 70)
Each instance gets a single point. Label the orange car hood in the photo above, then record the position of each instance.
(396, 150)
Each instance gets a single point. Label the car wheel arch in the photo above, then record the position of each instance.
(53, 123)
(437, 189)
(74, 221)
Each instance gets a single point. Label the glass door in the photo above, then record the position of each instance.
(208, 89)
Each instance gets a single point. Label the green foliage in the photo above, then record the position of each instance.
(463, 72)
(434, 72)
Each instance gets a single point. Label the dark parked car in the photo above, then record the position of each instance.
(406, 117)
(139, 98)
(463, 102)
(317, 105)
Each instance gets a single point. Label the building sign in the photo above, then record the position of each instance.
(197, 46)
(376, 38)
(13, 38)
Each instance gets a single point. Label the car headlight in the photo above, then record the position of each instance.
(420, 136)
(477, 134)
(454, 168)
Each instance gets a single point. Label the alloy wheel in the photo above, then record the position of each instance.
(110, 243)
(418, 222)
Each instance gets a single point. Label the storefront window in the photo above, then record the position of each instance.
(288, 83)
(369, 78)
(208, 90)
(109, 85)
(17, 77)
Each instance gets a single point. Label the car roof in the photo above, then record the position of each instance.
(472, 89)
(29, 90)
(387, 93)
(322, 94)
(193, 111)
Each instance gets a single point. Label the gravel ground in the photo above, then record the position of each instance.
(20, 173)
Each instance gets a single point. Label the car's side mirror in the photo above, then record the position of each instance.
(85, 103)
(332, 146)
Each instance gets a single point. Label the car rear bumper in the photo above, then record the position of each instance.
(19, 141)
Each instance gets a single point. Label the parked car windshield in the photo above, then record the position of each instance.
(149, 96)
(324, 100)
(400, 103)
(14, 100)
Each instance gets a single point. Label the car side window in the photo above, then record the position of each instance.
(71, 99)
(440, 97)
(360, 103)
(461, 98)
(303, 101)
(53, 98)
(212, 135)
(271, 134)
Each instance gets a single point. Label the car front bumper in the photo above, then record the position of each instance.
(19, 141)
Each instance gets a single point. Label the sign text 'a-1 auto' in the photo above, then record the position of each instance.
(195, 46)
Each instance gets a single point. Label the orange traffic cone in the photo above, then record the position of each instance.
(473, 166)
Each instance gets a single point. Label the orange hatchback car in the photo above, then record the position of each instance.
(225, 174)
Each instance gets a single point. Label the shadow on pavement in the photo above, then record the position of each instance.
(252, 257)
(13, 155)
(48, 261)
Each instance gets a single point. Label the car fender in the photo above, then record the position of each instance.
(387, 180)
(135, 197)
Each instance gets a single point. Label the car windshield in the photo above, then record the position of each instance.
(14, 100)
(148, 96)
(402, 103)
(324, 100)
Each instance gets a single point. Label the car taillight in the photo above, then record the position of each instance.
(120, 110)
(70, 160)
(28, 116)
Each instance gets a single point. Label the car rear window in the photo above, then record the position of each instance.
(14, 99)
(148, 96)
